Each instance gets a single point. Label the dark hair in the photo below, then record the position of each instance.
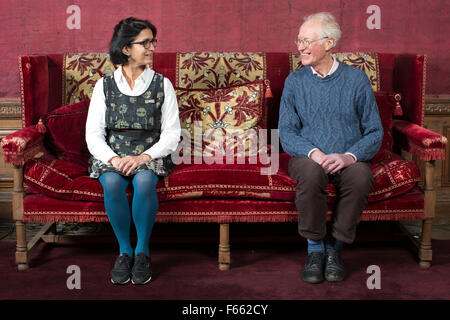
(125, 32)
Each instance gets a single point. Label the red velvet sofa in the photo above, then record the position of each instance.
(50, 155)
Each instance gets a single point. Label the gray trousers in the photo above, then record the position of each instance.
(353, 185)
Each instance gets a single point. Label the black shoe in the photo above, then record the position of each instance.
(313, 269)
(120, 274)
(334, 267)
(142, 269)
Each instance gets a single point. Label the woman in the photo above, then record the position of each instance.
(131, 129)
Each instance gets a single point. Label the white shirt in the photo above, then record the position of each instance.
(96, 124)
(332, 70)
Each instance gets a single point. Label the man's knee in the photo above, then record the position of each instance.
(359, 176)
(306, 170)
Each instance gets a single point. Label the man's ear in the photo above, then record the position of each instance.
(329, 44)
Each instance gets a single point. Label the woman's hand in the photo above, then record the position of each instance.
(128, 164)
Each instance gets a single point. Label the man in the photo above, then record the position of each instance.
(329, 124)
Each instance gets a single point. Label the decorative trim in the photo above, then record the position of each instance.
(22, 94)
(218, 216)
(10, 108)
(424, 79)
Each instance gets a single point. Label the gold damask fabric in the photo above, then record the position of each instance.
(206, 70)
(81, 72)
(215, 117)
(366, 61)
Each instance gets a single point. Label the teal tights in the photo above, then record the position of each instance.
(144, 208)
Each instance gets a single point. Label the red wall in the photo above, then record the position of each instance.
(40, 26)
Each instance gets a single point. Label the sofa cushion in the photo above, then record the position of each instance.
(68, 180)
(223, 121)
(66, 132)
(393, 176)
(366, 61)
(61, 179)
(80, 73)
(193, 181)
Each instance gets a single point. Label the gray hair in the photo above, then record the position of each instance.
(330, 27)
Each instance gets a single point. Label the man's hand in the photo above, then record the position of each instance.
(128, 164)
(317, 156)
(333, 163)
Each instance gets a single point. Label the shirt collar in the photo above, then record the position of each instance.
(120, 78)
(333, 68)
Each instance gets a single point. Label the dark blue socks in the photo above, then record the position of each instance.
(144, 208)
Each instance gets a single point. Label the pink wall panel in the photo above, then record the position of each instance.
(30, 26)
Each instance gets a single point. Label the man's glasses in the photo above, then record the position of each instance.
(146, 43)
(306, 42)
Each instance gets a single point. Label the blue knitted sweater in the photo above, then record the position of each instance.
(336, 114)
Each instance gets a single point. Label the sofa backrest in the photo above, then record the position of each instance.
(43, 90)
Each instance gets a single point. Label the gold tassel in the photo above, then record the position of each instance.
(268, 93)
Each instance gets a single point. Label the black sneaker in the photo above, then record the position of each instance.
(313, 269)
(142, 269)
(120, 274)
(334, 267)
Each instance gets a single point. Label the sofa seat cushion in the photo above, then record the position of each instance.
(226, 181)
(68, 180)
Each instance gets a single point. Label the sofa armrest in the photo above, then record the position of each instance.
(425, 144)
(22, 145)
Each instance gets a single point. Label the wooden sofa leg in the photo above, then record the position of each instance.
(425, 251)
(21, 246)
(17, 208)
(224, 247)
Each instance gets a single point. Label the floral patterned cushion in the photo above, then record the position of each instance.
(206, 70)
(223, 121)
(366, 61)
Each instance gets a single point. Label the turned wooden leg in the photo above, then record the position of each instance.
(21, 246)
(224, 247)
(17, 208)
(425, 251)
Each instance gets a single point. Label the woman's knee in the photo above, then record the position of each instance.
(113, 182)
(145, 180)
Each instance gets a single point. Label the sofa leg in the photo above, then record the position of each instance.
(17, 209)
(224, 247)
(21, 246)
(425, 251)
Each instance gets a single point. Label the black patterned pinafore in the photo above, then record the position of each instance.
(133, 125)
